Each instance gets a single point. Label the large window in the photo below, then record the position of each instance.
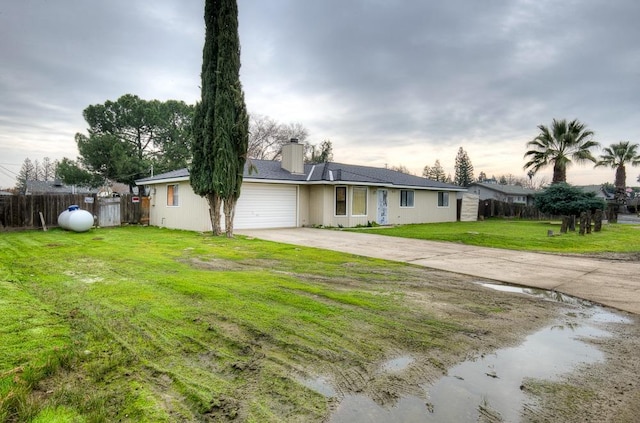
(443, 199)
(406, 198)
(359, 202)
(172, 195)
(341, 201)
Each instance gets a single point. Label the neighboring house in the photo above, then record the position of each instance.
(114, 189)
(5, 193)
(506, 193)
(55, 187)
(291, 194)
(598, 190)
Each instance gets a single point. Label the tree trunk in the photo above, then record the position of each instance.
(598, 221)
(583, 223)
(572, 223)
(565, 224)
(621, 177)
(612, 212)
(229, 213)
(214, 213)
(559, 174)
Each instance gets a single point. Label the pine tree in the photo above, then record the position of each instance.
(27, 173)
(48, 169)
(435, 172)
(221, 122)
(37, 171)
(438, 172)
(464, 169)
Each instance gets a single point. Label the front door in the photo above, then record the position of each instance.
(382, 207)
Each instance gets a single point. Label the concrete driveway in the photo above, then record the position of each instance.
(612, 283)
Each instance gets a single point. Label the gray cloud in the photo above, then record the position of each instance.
(389, 82)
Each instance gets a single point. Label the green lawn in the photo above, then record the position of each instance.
(523, 235)
(145, 324)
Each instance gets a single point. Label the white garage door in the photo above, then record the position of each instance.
(267, 206)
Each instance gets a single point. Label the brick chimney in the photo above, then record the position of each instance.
(293, 157)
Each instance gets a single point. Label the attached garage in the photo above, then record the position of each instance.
(262, 206)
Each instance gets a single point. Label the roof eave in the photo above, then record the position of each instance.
(162, 181)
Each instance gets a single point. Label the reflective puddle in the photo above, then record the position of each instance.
(359, 408)
(489, 384)
(494, 381)
(540, 293)
(397, 364)
(321, 385)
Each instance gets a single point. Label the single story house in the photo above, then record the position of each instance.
(598, 190)
(55, 187)
(506, 193)
(289, 193)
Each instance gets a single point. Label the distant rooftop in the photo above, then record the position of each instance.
(56, 187)
(506, 189)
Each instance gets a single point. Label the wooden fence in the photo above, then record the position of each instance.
(32, 211)
(495, 208)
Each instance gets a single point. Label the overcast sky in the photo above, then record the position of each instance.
(400, 82)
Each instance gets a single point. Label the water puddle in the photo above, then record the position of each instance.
(490, 384)
(494, 381)
(321, 385)
(397, 364)
(544, 294)
(360, 408)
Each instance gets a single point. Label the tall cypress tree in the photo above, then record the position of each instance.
(221, 123)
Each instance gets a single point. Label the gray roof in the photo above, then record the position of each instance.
(56, 187)
(271, 170)
(596, 189)
(373, 175)
(506, 189)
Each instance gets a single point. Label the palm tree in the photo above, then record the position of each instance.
(559, 146)
(617, 156)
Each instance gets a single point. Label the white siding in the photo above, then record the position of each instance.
(191, 213)
(269, 205)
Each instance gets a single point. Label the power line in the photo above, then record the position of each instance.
(4, 170)
(6, 174)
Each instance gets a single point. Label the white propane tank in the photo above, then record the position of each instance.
(75, 219)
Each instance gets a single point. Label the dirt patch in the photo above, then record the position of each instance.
(494, 320)
(214, 264)
(217, 264)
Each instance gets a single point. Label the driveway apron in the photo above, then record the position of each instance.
(609, 282)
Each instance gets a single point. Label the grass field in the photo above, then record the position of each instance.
(141, 324)
(144, 324)
(523, 235)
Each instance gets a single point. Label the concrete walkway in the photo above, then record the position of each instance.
(612, 283)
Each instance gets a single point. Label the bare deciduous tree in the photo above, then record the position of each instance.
(267, 136)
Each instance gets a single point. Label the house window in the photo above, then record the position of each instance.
(406, 198)
(359, 201)
(341, 201)
(443, 199)
(172, 195)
